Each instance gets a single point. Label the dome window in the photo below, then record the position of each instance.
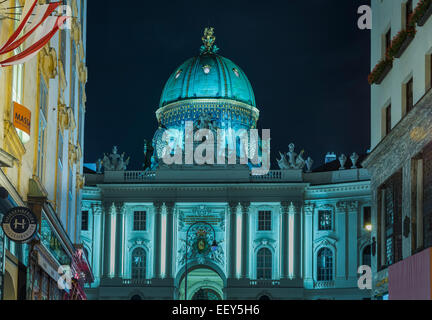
(178, 73)
(236, 72)
(206, 69)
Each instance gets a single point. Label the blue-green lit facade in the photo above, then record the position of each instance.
(289, 234)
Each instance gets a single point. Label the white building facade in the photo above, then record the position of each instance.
(288, 234)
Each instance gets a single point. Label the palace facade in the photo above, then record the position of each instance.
(217, 231)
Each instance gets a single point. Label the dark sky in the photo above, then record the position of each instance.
(306, 60)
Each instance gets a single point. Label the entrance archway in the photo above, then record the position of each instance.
(203, 284)
(206, 294)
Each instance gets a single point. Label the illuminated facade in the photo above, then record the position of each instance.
(42, 168)
(289, 234)
(401, 157)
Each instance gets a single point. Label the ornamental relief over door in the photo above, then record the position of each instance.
(202, 223)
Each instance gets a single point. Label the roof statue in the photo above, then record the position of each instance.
(292, 160)
(115, 161)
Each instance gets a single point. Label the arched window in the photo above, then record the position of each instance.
(264, 264)
(138, 263)
(325, 265)
(366, 256)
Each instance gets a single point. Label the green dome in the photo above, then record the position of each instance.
(208, 75)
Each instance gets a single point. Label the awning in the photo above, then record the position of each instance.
(411, 278)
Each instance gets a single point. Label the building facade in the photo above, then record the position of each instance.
(41, 167)
(217, 231)
(400, 161)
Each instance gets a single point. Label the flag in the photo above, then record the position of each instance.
(42, 27)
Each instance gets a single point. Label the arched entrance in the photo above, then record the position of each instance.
(206, 294)
(203, 284)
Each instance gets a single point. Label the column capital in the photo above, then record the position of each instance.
(342, 206)
(158, 206)
(170, 206)
(120, 207)
(284, 205)
(233, 207)
(353, 205)
(309, 208)
(96, 208)
(245, 206)
(107, 207)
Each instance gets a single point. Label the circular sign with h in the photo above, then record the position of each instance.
(19, 224)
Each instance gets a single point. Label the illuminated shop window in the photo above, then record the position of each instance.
(324, 220)
(140, 219)
(264, 264)
(264, 221)
(325, 265)
(138, 263)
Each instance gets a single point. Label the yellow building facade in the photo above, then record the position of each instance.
(42, 170)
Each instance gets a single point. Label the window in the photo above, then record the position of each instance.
(264, 220)
(84, 220)
(43, 106)
(325, 265)
(17, 70)
(408, 12)
(388, 120)
(366, 256)
(73, 79)
(390, 217)
(59, 172)
(387, 39)
(140, 219)
(63, 35)
(70, 198)
(138, 263)
(324, 220)
(409, 95)
(80, 114)
(367, 218)
(264, 264)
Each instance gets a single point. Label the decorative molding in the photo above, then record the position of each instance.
(12, 140)
(264, 242)
(48, 62)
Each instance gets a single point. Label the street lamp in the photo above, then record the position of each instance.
(213, 248)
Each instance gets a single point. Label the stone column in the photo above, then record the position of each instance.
(284, 239)
(170, 207)
(352, 230)
(297, 206)
(107, 206)
(97, 245)
(157, 239)
(232, 239)
(120, 208)
(308, 255)
(342, 246)
(245, 206)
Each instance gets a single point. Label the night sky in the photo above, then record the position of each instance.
(306, 60)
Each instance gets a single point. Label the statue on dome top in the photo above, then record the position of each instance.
(208, 40)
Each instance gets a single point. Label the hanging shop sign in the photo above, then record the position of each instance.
(19, 224)
(22, 119)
